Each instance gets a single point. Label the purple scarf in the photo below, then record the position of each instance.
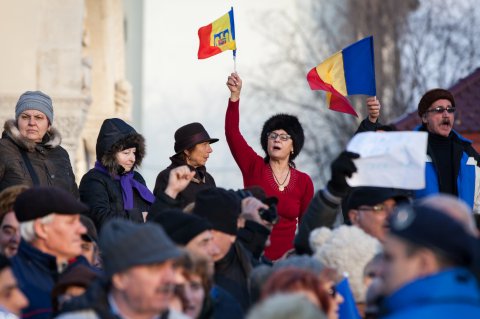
(128, 183)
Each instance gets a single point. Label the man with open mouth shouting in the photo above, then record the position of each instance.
(452, 163)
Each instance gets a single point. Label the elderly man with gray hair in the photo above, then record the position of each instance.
(51, 236)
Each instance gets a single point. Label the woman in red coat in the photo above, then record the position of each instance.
(282, 140)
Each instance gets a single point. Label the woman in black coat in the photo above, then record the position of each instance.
(192, 148)
(112, 188)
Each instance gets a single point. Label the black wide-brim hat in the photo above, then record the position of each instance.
(190, 135)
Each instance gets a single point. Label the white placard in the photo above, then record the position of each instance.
(389, 159)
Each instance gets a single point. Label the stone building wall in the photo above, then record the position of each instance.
(73, 50)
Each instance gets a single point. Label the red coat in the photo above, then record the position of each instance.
(292, 202)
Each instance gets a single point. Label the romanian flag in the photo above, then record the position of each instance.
(347, 72)
(217, 37)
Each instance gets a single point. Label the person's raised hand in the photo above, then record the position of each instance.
(373, 106)
(250, 211)
(342, 167)
(178, 180)
(234, 84)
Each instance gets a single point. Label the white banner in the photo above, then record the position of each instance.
(389, 159)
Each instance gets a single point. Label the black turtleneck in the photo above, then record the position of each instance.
(441, 151)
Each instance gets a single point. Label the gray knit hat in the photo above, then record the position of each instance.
(125, 244)
(35, 100)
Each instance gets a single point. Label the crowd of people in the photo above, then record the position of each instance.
(112, 248)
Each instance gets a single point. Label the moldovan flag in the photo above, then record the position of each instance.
(347, 72)
(217, 37)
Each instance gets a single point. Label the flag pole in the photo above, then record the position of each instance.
(234, 51)
(235, 61)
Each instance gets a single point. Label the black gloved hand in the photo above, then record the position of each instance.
(342, 167)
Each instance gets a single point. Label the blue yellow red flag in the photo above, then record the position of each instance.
(347, 72)
(217, 37)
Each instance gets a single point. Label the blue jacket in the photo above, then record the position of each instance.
(468, 178)
(453, 293)
(36, 274)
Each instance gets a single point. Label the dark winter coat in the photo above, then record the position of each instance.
(202, 180)
(223, 305)
(36, 274)
(94, 300)
(232, 273)
(100, 190)
(49, 160)
(320, 213)
(466, 165)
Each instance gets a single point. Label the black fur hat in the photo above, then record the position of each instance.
(288, 123)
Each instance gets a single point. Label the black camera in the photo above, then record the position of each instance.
(269, 214)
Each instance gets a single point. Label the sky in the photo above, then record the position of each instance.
(180, 89)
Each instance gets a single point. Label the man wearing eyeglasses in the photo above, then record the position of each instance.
(452, 163)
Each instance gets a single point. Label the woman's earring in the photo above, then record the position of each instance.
(291, 152)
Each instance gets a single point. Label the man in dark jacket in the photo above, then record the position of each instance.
(425, 266)
(51, 229)
(365, 207)
(233, 262)
(253, 232)
(140, 277)
(31, 152)
(194, 233)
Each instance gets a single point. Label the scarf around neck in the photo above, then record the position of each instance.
(128, 183)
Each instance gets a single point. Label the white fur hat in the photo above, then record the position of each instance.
(348, 249)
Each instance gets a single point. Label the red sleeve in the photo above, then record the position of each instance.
(307, 195)
(243, 154)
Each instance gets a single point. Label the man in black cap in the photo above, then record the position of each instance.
(233, 262)
(453, 165)
(138, 261)
(425, 266)
(369, 208)
(189, 231)
(194, 233)
(51, 235)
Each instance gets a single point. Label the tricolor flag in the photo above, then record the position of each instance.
(347, 72)
(217, 37)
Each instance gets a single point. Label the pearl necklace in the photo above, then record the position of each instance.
(280, 185)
